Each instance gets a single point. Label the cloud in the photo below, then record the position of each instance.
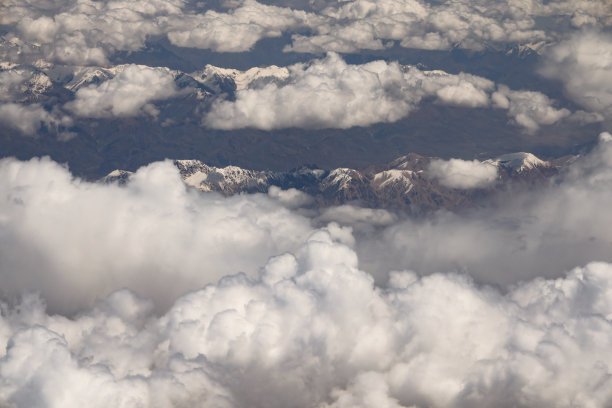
(583, 63)
(364, 24)
(85, 33)
(329, 93)
(82, 32)
(129, 93)
(521, 234)
(60, 234)
(160, 238)
(290, 198)
(325, 93)
(314, 330)
(11, 82)
(324, 315)
(29, 119)
(462, 174)
(238, 29)
(527, 108)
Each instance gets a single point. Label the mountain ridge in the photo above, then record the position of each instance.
(405, 183)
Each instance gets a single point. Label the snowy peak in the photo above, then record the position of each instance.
(342, 179)
(38, 84)
(241, 79)
(117, 176)
(84, 76)
(394, 179)
(519, 162)
(22, 83)
(529, 49)
(411, 161)
(227, 180)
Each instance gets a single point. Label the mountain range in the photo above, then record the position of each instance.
(94, 145)
(405, 183)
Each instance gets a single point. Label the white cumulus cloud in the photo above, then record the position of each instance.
(168, 296)
(329, 93)
(129, 93)
(463, 174)
(314, 330)
(583, 63)
(528, 109)
(154, 236)
(238, 29)
(366, 24)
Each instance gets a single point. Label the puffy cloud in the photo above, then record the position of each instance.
(527, 108)
(325, 93)
(129, 93)
(291, 198)
(524, 233)
(463, 94)
(161, 239)
(62, 235)
(367, 24)
(86, 32)
(314, 330)
(584, 65)
(329, 93)
(237, 30)
(463, 174)
(29, 119)
(306, 324)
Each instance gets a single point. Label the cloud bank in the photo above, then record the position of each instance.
(85, 32)
(314, 330)
(155, 312)
(239, 29)
(161, 239)
(61, 234)
(329, 93)
(365, 24)
(528, 232)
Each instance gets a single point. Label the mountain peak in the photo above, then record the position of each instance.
(520, 161)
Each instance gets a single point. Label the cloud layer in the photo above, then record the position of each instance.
(314, 330)
(86, 32)
(154, 236)
(329, 93)
(365, 24)
(528, 232)
(162, 239)
(154, 311)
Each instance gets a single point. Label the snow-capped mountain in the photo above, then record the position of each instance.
(34, 82)
(519, 162)
(404, 183)
(211, 75)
